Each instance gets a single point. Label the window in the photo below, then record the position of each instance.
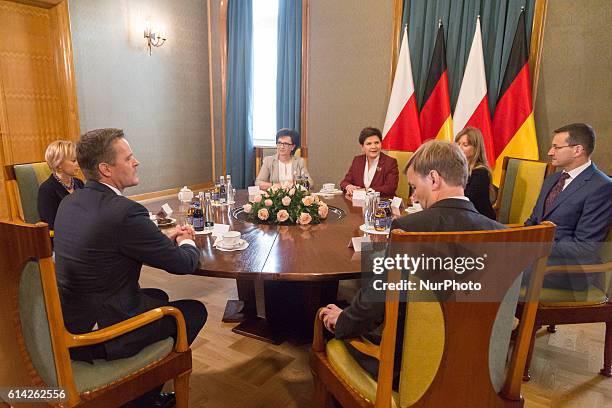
(265, 14)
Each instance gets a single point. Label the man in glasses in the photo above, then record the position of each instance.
(578, 200)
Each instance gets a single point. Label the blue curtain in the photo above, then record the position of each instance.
(289, 64)
(240, 152)
(498, 20)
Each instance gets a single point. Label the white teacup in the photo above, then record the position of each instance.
(328, 187)
(231, 238)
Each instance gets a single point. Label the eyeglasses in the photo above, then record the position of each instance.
(561, 147)
(283, 144)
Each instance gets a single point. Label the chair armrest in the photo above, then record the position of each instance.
(318, 340)
(579, 268)
(131, 324)
(518, 225)
(366, 347)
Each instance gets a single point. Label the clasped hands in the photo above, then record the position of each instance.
(329, 314)
(181, 232)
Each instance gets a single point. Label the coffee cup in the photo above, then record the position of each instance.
(231, 238)
(328, 186)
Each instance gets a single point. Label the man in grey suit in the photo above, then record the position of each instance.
(437, 173)
(101, 241)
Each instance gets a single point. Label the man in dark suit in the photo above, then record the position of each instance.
(437, 173)
(101, 241)
(578, 200)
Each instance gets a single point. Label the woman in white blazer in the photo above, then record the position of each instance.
(283, 167)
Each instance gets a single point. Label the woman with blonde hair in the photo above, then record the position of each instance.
(477, 189)
(61, 158)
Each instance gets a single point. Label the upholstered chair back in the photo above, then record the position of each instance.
(22, 182)
(520, 186)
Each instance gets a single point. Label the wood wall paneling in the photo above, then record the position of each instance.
(37, 90)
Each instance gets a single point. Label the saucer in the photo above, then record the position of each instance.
(242, 244)
(330, 192)
(363, 228)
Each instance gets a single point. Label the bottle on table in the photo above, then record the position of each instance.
(380, 219)
(230, 189)
(189, 215)
(198, 216)
(222, 191)
(208, 219)
(215, 194)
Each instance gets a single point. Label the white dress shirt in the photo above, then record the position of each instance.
(574, 173)
(369, 173)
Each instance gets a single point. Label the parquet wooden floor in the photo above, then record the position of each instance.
(230, 370)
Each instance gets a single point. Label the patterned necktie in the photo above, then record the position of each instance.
(555, 191)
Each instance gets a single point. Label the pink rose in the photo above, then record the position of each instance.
(286, 185)
(268, 202)
(263, 214)
(257, 199)
(282, 216)
(265, 194)
(247, 208)
(321, 203)
(286, 201)
(317, 199)
(308, 200)
(292, 191)
(323, 210)
(304, 219)
(274, 188)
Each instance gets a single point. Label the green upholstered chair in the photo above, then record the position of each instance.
(22, 182)
(593, 305)
(262, 152)
(454, 353)
(521, 181)
(403, 188)
(34, 342)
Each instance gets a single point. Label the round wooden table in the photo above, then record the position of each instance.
(286, 273)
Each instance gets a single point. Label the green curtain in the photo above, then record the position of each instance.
(240, 151)
(498, 19)
(289, 65)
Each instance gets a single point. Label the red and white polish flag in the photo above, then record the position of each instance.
(402, 130)
(472, 108)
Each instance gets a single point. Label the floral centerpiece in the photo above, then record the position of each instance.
(288, 205)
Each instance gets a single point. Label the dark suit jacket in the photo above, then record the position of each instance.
(365, 316)
(582, 213)
(101, 241)
(477, 190)
(50, 195)
(385, 180)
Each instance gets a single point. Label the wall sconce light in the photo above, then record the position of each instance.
(156, 37)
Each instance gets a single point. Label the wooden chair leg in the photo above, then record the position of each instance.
(181, 389)
(321, 398)
(552, 328)
(607, 367)
(526, 374)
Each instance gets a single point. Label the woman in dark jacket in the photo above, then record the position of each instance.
(478, 186)
(61, 158)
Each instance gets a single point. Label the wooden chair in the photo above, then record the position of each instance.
(450, 349)
(593, 305)
(262, 152)
(21, 183)
(521, 182)
(34, 342)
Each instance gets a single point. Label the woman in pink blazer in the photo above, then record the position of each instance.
(372, 170)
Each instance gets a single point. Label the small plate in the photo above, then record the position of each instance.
(242, 244)
(363, 228)
(172, 223)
